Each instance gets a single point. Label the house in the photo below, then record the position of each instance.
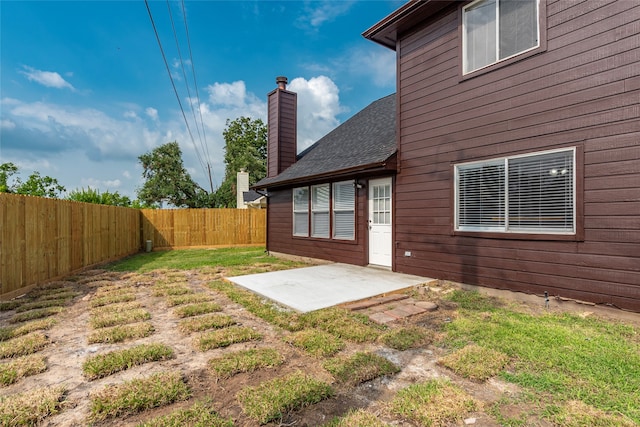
(517, 153)
(246, 198)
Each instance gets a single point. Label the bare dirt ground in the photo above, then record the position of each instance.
(69, 348)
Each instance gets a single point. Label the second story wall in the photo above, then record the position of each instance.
(580, 89)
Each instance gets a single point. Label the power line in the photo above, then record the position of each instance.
(195, 83)
(184, 74)
(146, 2)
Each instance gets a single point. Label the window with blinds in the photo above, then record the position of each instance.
(301, 211)
(522, 194)
(344, 202)
(320, 210)
(494, 30)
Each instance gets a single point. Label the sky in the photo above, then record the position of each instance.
(84, 88)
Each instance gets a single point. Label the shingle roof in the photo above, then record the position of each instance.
(250, 196)
(367, 139)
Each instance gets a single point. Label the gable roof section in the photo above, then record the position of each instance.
(365, 141)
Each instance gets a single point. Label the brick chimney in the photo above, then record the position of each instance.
(282, 122)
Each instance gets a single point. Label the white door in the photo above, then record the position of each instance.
(380, 237)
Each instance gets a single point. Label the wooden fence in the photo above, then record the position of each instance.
(43, 239)
(178, 228)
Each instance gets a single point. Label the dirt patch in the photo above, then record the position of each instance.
(69, 348)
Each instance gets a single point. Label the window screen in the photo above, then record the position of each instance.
(494, 30)
(525, 194)
(344, 197)
(301, 211)
(320, 210)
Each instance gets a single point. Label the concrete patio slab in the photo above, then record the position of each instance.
(312, 288)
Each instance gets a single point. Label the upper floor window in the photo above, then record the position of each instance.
(534, 193)
(494, 30)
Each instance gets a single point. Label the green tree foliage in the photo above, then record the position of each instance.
(91, 195)
(35, 185)
(245, 148)
(166, 179)
(7, 170)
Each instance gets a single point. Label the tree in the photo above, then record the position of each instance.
(91, 195)
(166, 179)
(7, 170)
(35, 185)
(245, 148)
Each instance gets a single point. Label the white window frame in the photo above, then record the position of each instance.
(343, 207)
(299, 211)
(465, 44)
(320, 211)
(506, 227)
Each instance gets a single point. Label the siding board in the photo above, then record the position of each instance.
(584, 90)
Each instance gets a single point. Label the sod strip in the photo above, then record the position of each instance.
(272, 399)
(35, 314)
(25, 328)
(24, 345)
(197, 309)
(199, 414)
(30, 408)
(245, 361)
(360, 367)
(315, 342)
(104, 320)
(103, 365)
(117, 307)
(15, 369)
(42, 304)
(357, 418)
(138, 395)
(203, 323)
(111, 298)
(188, 299)
(475, 362)
(225, 337)
(435, 402)
(121, 333)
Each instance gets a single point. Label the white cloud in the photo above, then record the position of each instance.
(229, 94)
(378, 63)
(46, 78)
(7, 124)
(85, 146)
(317, 13)
(152, 113)
(102, 185)
(318, 107)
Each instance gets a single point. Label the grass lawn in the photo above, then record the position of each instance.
(268, 363)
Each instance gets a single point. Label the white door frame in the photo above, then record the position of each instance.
(380, 221)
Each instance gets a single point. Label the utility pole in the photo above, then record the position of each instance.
(210, 180)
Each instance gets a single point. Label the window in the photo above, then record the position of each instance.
(320, 210)
(494, 30)
(301, 211)
(521, 194)
(344, 202)
(325, 211)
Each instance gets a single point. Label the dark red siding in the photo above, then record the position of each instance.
(582, 90)
(282, 145)
(280, 232)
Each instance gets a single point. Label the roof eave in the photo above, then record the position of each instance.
(385, 32)
(387, 165)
